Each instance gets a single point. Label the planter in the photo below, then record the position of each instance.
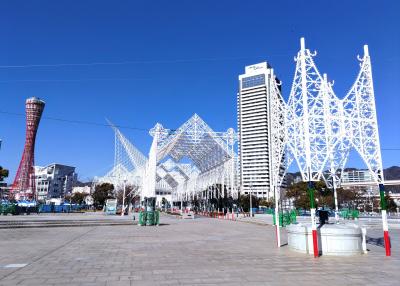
(333, 239)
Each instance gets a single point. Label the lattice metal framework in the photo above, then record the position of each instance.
(321, 129)
(24, 182)
(184, 162)
(129, 164)
(211, 156)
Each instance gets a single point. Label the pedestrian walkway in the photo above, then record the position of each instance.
(202, 251)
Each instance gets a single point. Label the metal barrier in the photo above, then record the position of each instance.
(286, 218)
(349, 214)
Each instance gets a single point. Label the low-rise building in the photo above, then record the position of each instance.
(352, 177)
(356, 176)
(83, 190)
(4, 191)
(54, 181)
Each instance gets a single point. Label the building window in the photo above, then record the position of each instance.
(253, 81)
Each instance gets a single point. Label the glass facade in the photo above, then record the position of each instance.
(253, 81)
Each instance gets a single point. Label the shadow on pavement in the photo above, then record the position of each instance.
(375, 241)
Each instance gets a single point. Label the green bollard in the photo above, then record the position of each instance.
(157, 218)
(142, 218)
(292, 215)
(150, 218)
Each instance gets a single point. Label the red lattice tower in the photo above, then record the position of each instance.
(24, 182)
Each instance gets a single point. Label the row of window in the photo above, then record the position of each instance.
(162, 193)
(253, 81)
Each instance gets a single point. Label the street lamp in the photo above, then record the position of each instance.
(251, 194)
(123, 199)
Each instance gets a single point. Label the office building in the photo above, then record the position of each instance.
(253, 119)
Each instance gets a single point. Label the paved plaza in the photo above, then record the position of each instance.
(202, 251)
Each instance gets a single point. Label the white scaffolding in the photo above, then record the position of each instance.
(314, 128)
(321, 129)
(209, 156)
(183, 162)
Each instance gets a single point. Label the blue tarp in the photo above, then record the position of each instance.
(59, 208)
(25, 203)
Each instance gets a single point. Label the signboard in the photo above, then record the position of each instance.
(111, 207)
(256, 67)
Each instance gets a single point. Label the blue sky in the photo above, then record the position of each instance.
(175, 58)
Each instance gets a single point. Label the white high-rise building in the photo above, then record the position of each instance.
(253, 119)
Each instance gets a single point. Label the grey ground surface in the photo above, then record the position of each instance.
(181, 252)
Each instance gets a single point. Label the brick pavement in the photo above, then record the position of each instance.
(180, 252)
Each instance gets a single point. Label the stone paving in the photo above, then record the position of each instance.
(203, 251)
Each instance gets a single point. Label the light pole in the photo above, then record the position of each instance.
(251, 199)
(123, 199)
(251, 195)
(336, 200)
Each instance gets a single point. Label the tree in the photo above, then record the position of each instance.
(217, 202)
(102, 193)
(348, 197)
(270, 203)
(195, 203)
(244, 202)
(299, 191)
(78, 198)
(3, 173)
(130, 195)
(67, 197)
(390, 204)
(164, 202)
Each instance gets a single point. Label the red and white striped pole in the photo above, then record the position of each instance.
(385, 226)
(313, 222)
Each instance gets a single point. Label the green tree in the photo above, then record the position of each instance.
(195, 202)
(67, 197)
(78, 198)
(3, 174)
(348, 198)
(129, 198)
(102, 193)
(270, 203)
(299, 191)
(164, 202)
(390, 204)
(244, 202)
(220, 202)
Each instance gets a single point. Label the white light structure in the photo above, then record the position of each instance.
(315, 128)
(321, 129)
(184, 162)
(277, 136)
(129, 165)
(211, 156)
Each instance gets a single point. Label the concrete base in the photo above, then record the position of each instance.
(333, 239)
